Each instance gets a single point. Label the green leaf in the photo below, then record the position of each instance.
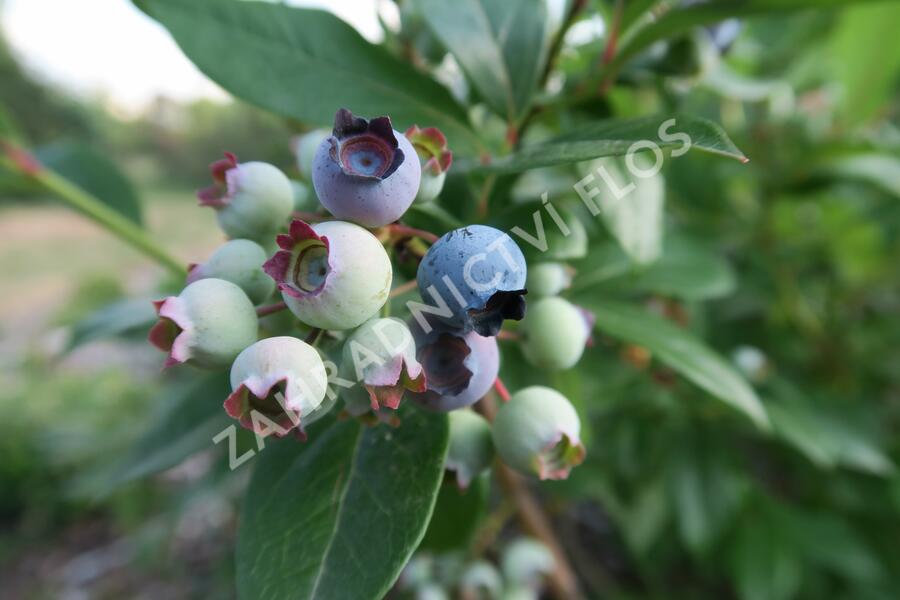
(615, 137)
(686, 270)
(764, 562)
(680, 350)
(305, 64)
(119, 318)
(538, 235)
(879, 170)
(339, 515)
(94, 173)
(682, 20)
(189, 414)
(457, 514)
(500, 45)
(867, 72)
(634, 215)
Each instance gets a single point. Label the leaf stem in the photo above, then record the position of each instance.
(91, 207)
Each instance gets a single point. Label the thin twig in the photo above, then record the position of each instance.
(403, 288)
(268, 309)
(500, 387)
(610, 51)
(399, 231)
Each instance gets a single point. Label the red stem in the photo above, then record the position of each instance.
(268, 309)
(501, 390)
(402, 289)
(398, 230)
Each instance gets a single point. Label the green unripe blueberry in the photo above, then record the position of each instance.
(379, 357)
(305, 147)
(304, 198)
(548, 279)
(538, 433)
(240, 262)
(206, 325)
(276, 383)
(471, 448)
(481, 579)
(554, 333)
(333, 275)
(431, 147)
(526, 562)
(252, 200)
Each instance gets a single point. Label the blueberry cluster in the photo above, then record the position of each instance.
(334, 274)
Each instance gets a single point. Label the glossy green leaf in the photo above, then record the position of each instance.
(339, 515)
(94, 173)
(500, 45)
(305, 64)
(615, 137)
(680, 350)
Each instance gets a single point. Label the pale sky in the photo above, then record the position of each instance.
(109, 48)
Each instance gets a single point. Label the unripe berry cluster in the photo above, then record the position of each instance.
(335, 276)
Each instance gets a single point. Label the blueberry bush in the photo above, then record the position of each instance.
(569, 299)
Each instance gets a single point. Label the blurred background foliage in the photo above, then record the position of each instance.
(788, 265)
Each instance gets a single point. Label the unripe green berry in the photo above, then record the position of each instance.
(277, 383)
(526, 562)
(240, 262)
(333, 275)
(548, 279)
(252, 200)
(538, 433)
(380, 358)
(305, 147)
(206, 325)
(554, 333)
(471, 448)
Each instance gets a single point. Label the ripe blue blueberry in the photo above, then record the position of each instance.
(252, 200)
(240, 262)
(431, 146)
(276, 383)
(366, 172)
(379, 357)
(475, 278)
(333, 275)
(206, 325)
(460, 368)
(538, 433)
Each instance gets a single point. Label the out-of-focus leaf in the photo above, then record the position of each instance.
(189, 415)
(614, 138)
(500, 45)
(828, 540)
(823, 436)
(764, 563)
(685, 18)
(867, 72)
(305, 64)
(339, 516)
(633, 214)
(685, 270)
(431, 217)
(881, 170)
(121, 318)
(680, 350)
(539, 236)
(705, 494)
(94, 173)
(457, 514)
